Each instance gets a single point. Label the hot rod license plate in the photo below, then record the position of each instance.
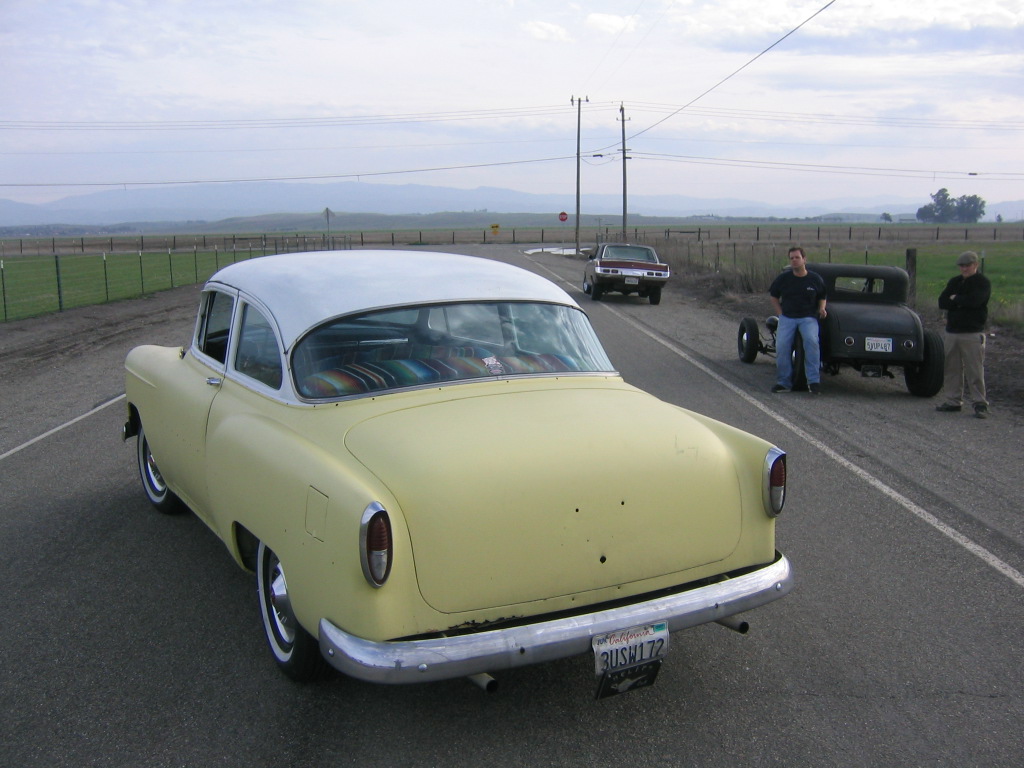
(629, 658)
(872, 344)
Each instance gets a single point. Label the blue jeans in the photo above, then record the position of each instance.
(784, 349)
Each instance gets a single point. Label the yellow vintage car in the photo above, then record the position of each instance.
(394, 443)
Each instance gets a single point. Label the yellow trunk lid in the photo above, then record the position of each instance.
(533, 493)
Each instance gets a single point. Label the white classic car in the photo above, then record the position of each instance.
(392, 441)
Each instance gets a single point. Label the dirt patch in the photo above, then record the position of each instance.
(1004, 355)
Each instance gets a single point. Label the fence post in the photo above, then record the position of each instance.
(911, 264)
(106, 279)
(60, 287)
(3, 287)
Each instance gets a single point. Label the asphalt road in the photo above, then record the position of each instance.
(132, 639)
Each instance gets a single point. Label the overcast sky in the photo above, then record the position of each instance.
(857, 98)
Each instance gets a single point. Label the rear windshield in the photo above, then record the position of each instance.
(630, 253)
(434, 344)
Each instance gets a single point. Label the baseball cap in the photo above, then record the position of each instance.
(967, 257)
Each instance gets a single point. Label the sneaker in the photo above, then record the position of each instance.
(981, 411)
(948, 408)
(779, 388)
(814, 388)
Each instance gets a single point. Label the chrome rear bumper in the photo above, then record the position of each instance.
(416, 661)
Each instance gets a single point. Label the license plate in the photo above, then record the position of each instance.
(632, 281)
(630, 658)
(872, 344)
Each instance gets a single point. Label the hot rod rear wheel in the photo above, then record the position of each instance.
(296, 651)
(925, 379)
(159, 495)
(654, 295)
(747, 340)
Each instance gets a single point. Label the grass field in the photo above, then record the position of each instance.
(747, 269)
(38, 284)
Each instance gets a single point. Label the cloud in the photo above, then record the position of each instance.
(547, 32)
(610, 24)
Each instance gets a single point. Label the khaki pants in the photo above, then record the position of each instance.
(965, 368)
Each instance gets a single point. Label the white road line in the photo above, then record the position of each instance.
(924, 515)
(55, 430)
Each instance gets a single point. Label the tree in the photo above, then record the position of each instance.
(969, 209)
(887, 217)
(943, 209)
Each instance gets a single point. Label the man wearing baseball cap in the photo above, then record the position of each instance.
(965, 299)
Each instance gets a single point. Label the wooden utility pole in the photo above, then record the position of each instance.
(622, 117)
(579, 112)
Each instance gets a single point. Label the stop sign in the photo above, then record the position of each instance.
(563, 216)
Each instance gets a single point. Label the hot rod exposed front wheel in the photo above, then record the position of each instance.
(747, 340)
(296, 651)
(159, 495)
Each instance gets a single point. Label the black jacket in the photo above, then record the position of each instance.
(968, 312)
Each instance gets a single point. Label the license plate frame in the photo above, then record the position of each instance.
(877, 344)
(632, 281)
(627, 659)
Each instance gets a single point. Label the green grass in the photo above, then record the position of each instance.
(31, 286)
(751, 268)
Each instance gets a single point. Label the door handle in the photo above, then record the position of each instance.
(214, 381)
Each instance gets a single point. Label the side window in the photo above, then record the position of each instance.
(258, 356)
(213, 331)
(468, 322)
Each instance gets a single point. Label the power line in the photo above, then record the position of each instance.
(727, 77)
(825, 117)
(318, 177)
(332, 121)
(835, 169)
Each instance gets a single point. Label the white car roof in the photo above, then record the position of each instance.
(302, 290)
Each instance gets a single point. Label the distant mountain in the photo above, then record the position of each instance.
(214, 202)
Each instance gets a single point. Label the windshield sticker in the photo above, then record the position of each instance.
(494, 366)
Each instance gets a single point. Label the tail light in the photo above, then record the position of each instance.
(775, 482)
(376, 548)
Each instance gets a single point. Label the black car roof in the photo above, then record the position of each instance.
(895, 282)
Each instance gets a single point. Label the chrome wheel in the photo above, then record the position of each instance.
(159, 495)
(296, 651)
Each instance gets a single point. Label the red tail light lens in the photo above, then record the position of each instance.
(376, 545)
(776, 485)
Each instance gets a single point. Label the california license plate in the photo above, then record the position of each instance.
(632, 281)
(628, 659)
(872, 344)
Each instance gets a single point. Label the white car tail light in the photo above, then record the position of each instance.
(775, 482)
(375, 544)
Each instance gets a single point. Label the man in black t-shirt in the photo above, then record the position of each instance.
(798, 296)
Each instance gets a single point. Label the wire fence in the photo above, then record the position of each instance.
(42, 275)
(285, 243)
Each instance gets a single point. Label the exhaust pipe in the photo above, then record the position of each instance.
(736, 625)
(484, 681)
